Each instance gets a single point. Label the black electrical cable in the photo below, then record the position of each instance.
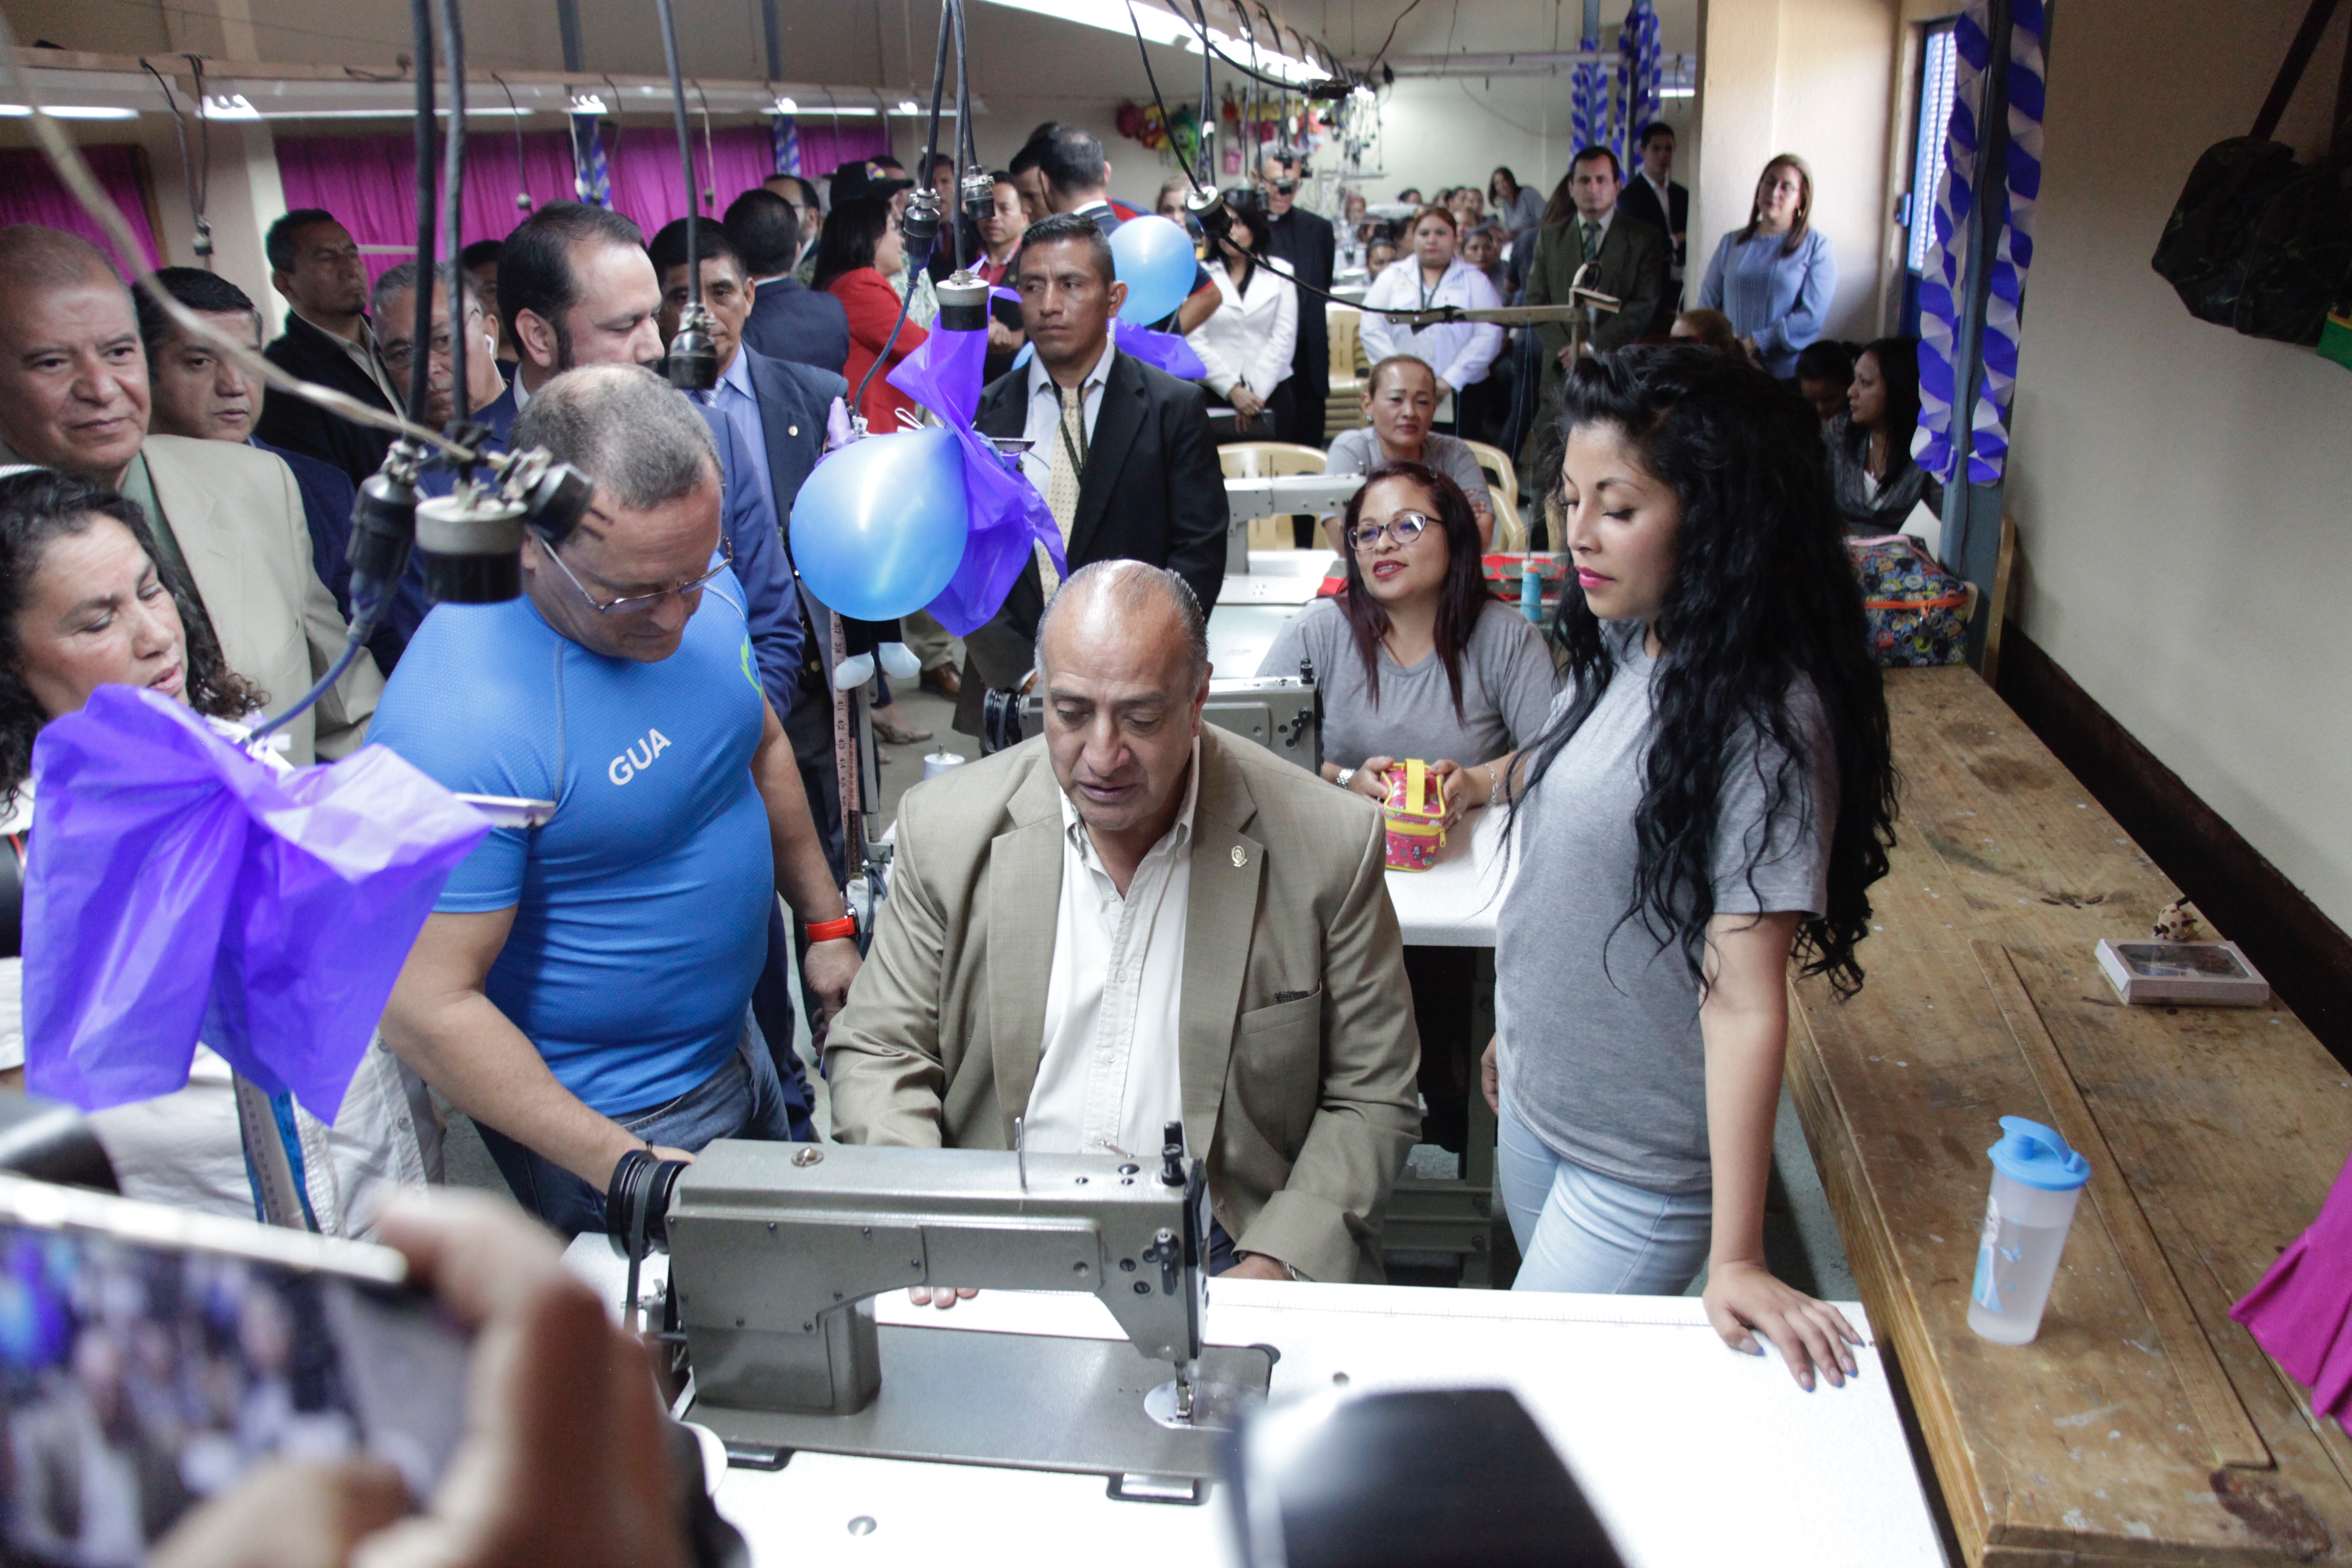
(1174, 145)
(366, 612)
(710, 150)
(1221, 240)
(1206, 43)
(693, 357)
(453, 185)
(522, 181)
(1383, 54)
(420, 363)
(203, 243)
(204, 143)
(962, 143)
(916, 260)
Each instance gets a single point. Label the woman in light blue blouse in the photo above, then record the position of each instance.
(1775, 277)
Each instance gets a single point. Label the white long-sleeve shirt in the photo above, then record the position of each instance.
(1248, 339)
(1459, 352)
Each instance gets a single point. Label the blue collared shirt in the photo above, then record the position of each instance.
(735, 398)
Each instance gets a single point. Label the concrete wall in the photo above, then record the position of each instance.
(2179, 490)
(1815, 77)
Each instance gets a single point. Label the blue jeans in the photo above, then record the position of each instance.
(741, 1099)
(1579, 1230)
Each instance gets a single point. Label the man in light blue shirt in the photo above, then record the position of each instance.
(580, 989)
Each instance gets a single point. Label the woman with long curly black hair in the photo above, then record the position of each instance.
(1712, 793)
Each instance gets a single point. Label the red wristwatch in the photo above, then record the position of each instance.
(831, 930)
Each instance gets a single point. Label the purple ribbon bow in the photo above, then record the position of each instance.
(1008, 517)
(176, 888)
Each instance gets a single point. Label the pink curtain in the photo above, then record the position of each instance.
(827, 145)
(31, 193)
(370, 181)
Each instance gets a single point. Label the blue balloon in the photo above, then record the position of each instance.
(1153, 257)
(880, 525)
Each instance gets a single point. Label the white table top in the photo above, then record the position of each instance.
(1690, 1454)
(1454, 902)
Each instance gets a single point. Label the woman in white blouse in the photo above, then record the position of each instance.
(1247, 341)
(1431, 277)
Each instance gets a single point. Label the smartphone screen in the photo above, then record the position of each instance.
(149, 1359)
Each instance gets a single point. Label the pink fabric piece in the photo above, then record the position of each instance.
(30, 191)
(370, 181)
(2302, 1312)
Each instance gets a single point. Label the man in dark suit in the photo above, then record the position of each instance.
(1302, 240)
(315, 264)
(1630, 257)
(1653, 196)
(1061, 169)
(1120, 451)
(789, 321)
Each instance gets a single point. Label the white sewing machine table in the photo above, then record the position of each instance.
(1694, 1456)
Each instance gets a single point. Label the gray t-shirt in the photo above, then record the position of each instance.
(1601, 1055)
(1358, 452)
(1507, 681)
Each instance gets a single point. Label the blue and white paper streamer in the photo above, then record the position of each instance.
(1638, 78)
(1588, 110)
(592, 181)
(785, 134)
(1936, 446)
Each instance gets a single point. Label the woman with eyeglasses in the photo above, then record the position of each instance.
(1416, 659)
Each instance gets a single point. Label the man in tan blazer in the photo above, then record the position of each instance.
(1132, 919)
(227, 519)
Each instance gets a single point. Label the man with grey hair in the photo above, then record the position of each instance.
(393, 305)
(488, 400)
(227, 518)
(1133, 919)
(581, 988)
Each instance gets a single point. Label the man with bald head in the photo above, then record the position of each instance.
(227, 518)
(1133, 919)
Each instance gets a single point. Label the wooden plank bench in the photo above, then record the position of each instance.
(2142, 1426)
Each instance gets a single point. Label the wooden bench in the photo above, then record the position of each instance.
(2142, 1426)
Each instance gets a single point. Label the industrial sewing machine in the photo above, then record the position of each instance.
(777, 1250)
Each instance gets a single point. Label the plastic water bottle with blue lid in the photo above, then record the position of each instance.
(2036, 1181)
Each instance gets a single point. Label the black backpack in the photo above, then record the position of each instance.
(2258, 241)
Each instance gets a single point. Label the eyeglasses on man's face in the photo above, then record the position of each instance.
(1406, 525)
(638, 604)
(400, 353)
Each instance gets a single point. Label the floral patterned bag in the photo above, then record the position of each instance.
(1917, 611)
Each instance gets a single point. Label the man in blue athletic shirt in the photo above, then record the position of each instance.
(579, 990)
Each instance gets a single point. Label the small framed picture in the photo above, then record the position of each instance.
(2212, 974)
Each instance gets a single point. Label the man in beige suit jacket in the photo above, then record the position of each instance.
(1132, 918)
(228, 519)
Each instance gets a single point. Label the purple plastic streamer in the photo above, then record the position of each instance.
(176, 888)
(1008, 517)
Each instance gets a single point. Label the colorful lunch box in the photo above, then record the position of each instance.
(1415, 815)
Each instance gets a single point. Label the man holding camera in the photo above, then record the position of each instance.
(581, 988)
(1303, 243)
